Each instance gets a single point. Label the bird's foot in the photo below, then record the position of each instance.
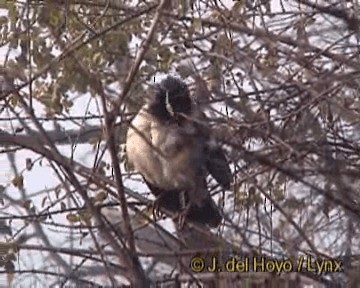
(157, 214)
(182, 200)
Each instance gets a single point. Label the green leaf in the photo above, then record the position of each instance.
(100, 197)
(3, 20)
(72, 218)
(197, 24)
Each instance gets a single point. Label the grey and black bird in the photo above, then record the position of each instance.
(166, 148)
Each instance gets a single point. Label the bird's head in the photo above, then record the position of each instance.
(171, 98)
(176, 94)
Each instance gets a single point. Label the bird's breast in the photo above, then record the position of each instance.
(165, 154)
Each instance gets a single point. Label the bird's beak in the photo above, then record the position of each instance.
(168, 106)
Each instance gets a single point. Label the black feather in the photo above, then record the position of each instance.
(217, 165)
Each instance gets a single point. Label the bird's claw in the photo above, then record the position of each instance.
(157, 214)
(181, 221)
(181, 217)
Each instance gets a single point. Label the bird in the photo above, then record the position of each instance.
(172, 156)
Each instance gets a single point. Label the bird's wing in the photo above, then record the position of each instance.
(217, 165)
(216, 162)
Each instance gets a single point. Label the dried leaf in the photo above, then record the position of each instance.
(19, 129)
(2, 193)
(57, 191)
(18, 181)
(43, 201)
(9, 268)
(42, 218)
(29, 164)
(27, 204)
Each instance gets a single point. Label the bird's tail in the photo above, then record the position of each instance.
(208, 214)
